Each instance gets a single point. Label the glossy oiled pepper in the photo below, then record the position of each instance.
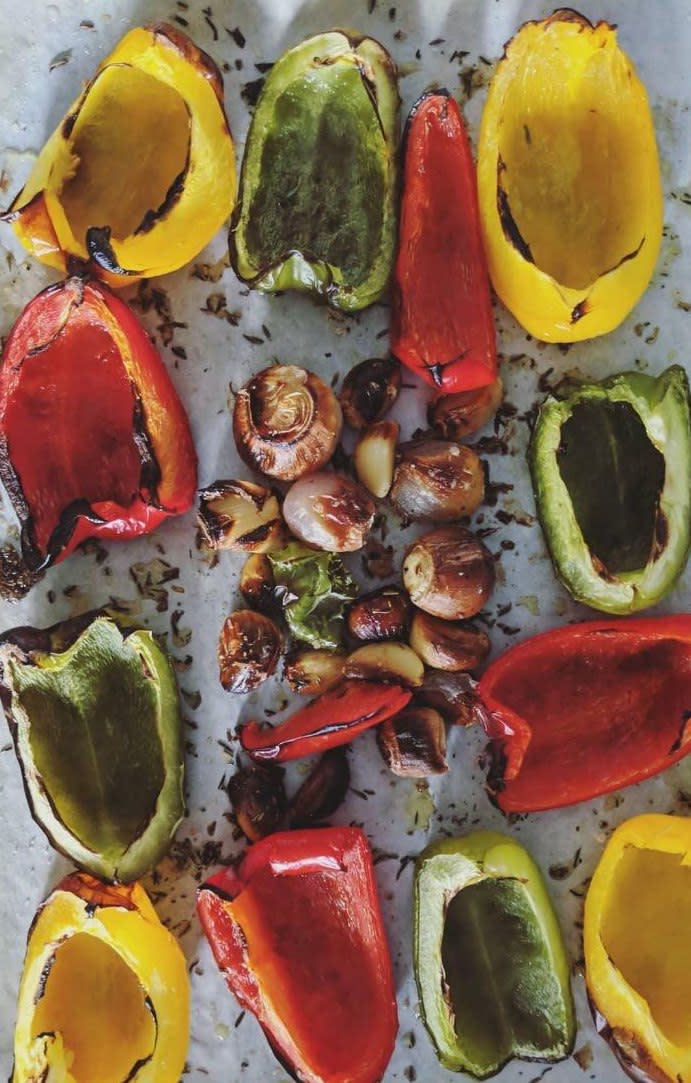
(611, 467)
(442, 325)
(104, 994)
(637, 939)
(140, 173)
(334, 718)
(490, 963)
(569, 179)
(94, 441)
(297, 931)
(586, 709)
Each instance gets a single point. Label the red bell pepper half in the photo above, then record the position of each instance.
(94, 441)
(332, 719)
(297, 931)
(586, 709)
(442, 325)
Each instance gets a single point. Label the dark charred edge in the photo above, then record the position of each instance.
(625, 259)
(508, 222)
(101, 252)
(661, 533)
(68, 124)
(291, 1069)
(170, 200)
(174, 38)
(150, 475)
(682, 735)
(561, 15)
(646, 1071)
(432, 92)
(214, 889)
(31, 556)
(142, 1063)
(45, 973)
(495, 782)
(13, 212)
(579, 311)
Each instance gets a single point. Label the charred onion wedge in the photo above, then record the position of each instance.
(374, 457)
(438, 480)
(443, 644)
(309, 672)
(257, 584)
(464, 413)
(248, 650)
(449, 573)
(286, 422)
(369, 391)
(413, 744)
(383, 614)
(258, 798)
(386, 661)
(330, 512)
(454, 695)
(323, 791)
(240, 515)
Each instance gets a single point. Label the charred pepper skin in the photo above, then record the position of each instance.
(94, 440)
(296, 930)
(606, 701)
(442, 325)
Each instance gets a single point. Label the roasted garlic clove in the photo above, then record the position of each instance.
(464, 413)
(323, 791)
(383, 614)
(449, 573)
(286, 422)
(443, 644)
(240, 515)
(330, 512)
(413, 744)
(248, 650)
(259, 800)
(369, 391)
(310, 672)
(438, 480)
(387, 661)
(375, 455)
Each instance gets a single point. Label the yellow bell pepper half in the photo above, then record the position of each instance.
(637, 936)
(140, 173)
(104, 994)
(569, 180)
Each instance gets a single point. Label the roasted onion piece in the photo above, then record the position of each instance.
(323, 791)
(286, 422)
(369, 391)
(386, 661)
(443, 644)
(257, 584)
(449, 573)
(438, 480)
(310, 672)
(413, 744)
(248, 650)
(375, 455)
(383, 614)
(259, 799)
(463, 413)
(330, 512)
(454, 695)
(240, 515)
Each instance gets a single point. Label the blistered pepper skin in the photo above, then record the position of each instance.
(104, 991)
(94, 440)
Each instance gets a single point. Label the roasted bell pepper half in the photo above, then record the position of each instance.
(94, 441)
(334, 718)
(490, 963)
(297, 932)
(587, 708)
(611, 469)
(441, 323)
(317, 205)
(569, 179)
(140, 173)
(104, 993)
(97, 728)
(637, 940)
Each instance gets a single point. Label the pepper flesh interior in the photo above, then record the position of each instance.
(121, 171)
(615, 477)
(637, 917)
(326, 133)
(569, 159)
(298, 979)
(94, 1001)
(498, 970)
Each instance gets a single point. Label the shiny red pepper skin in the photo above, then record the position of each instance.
(94, 441)
(442, 326)
(586, 709)
(297, 931)
(332, 719)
